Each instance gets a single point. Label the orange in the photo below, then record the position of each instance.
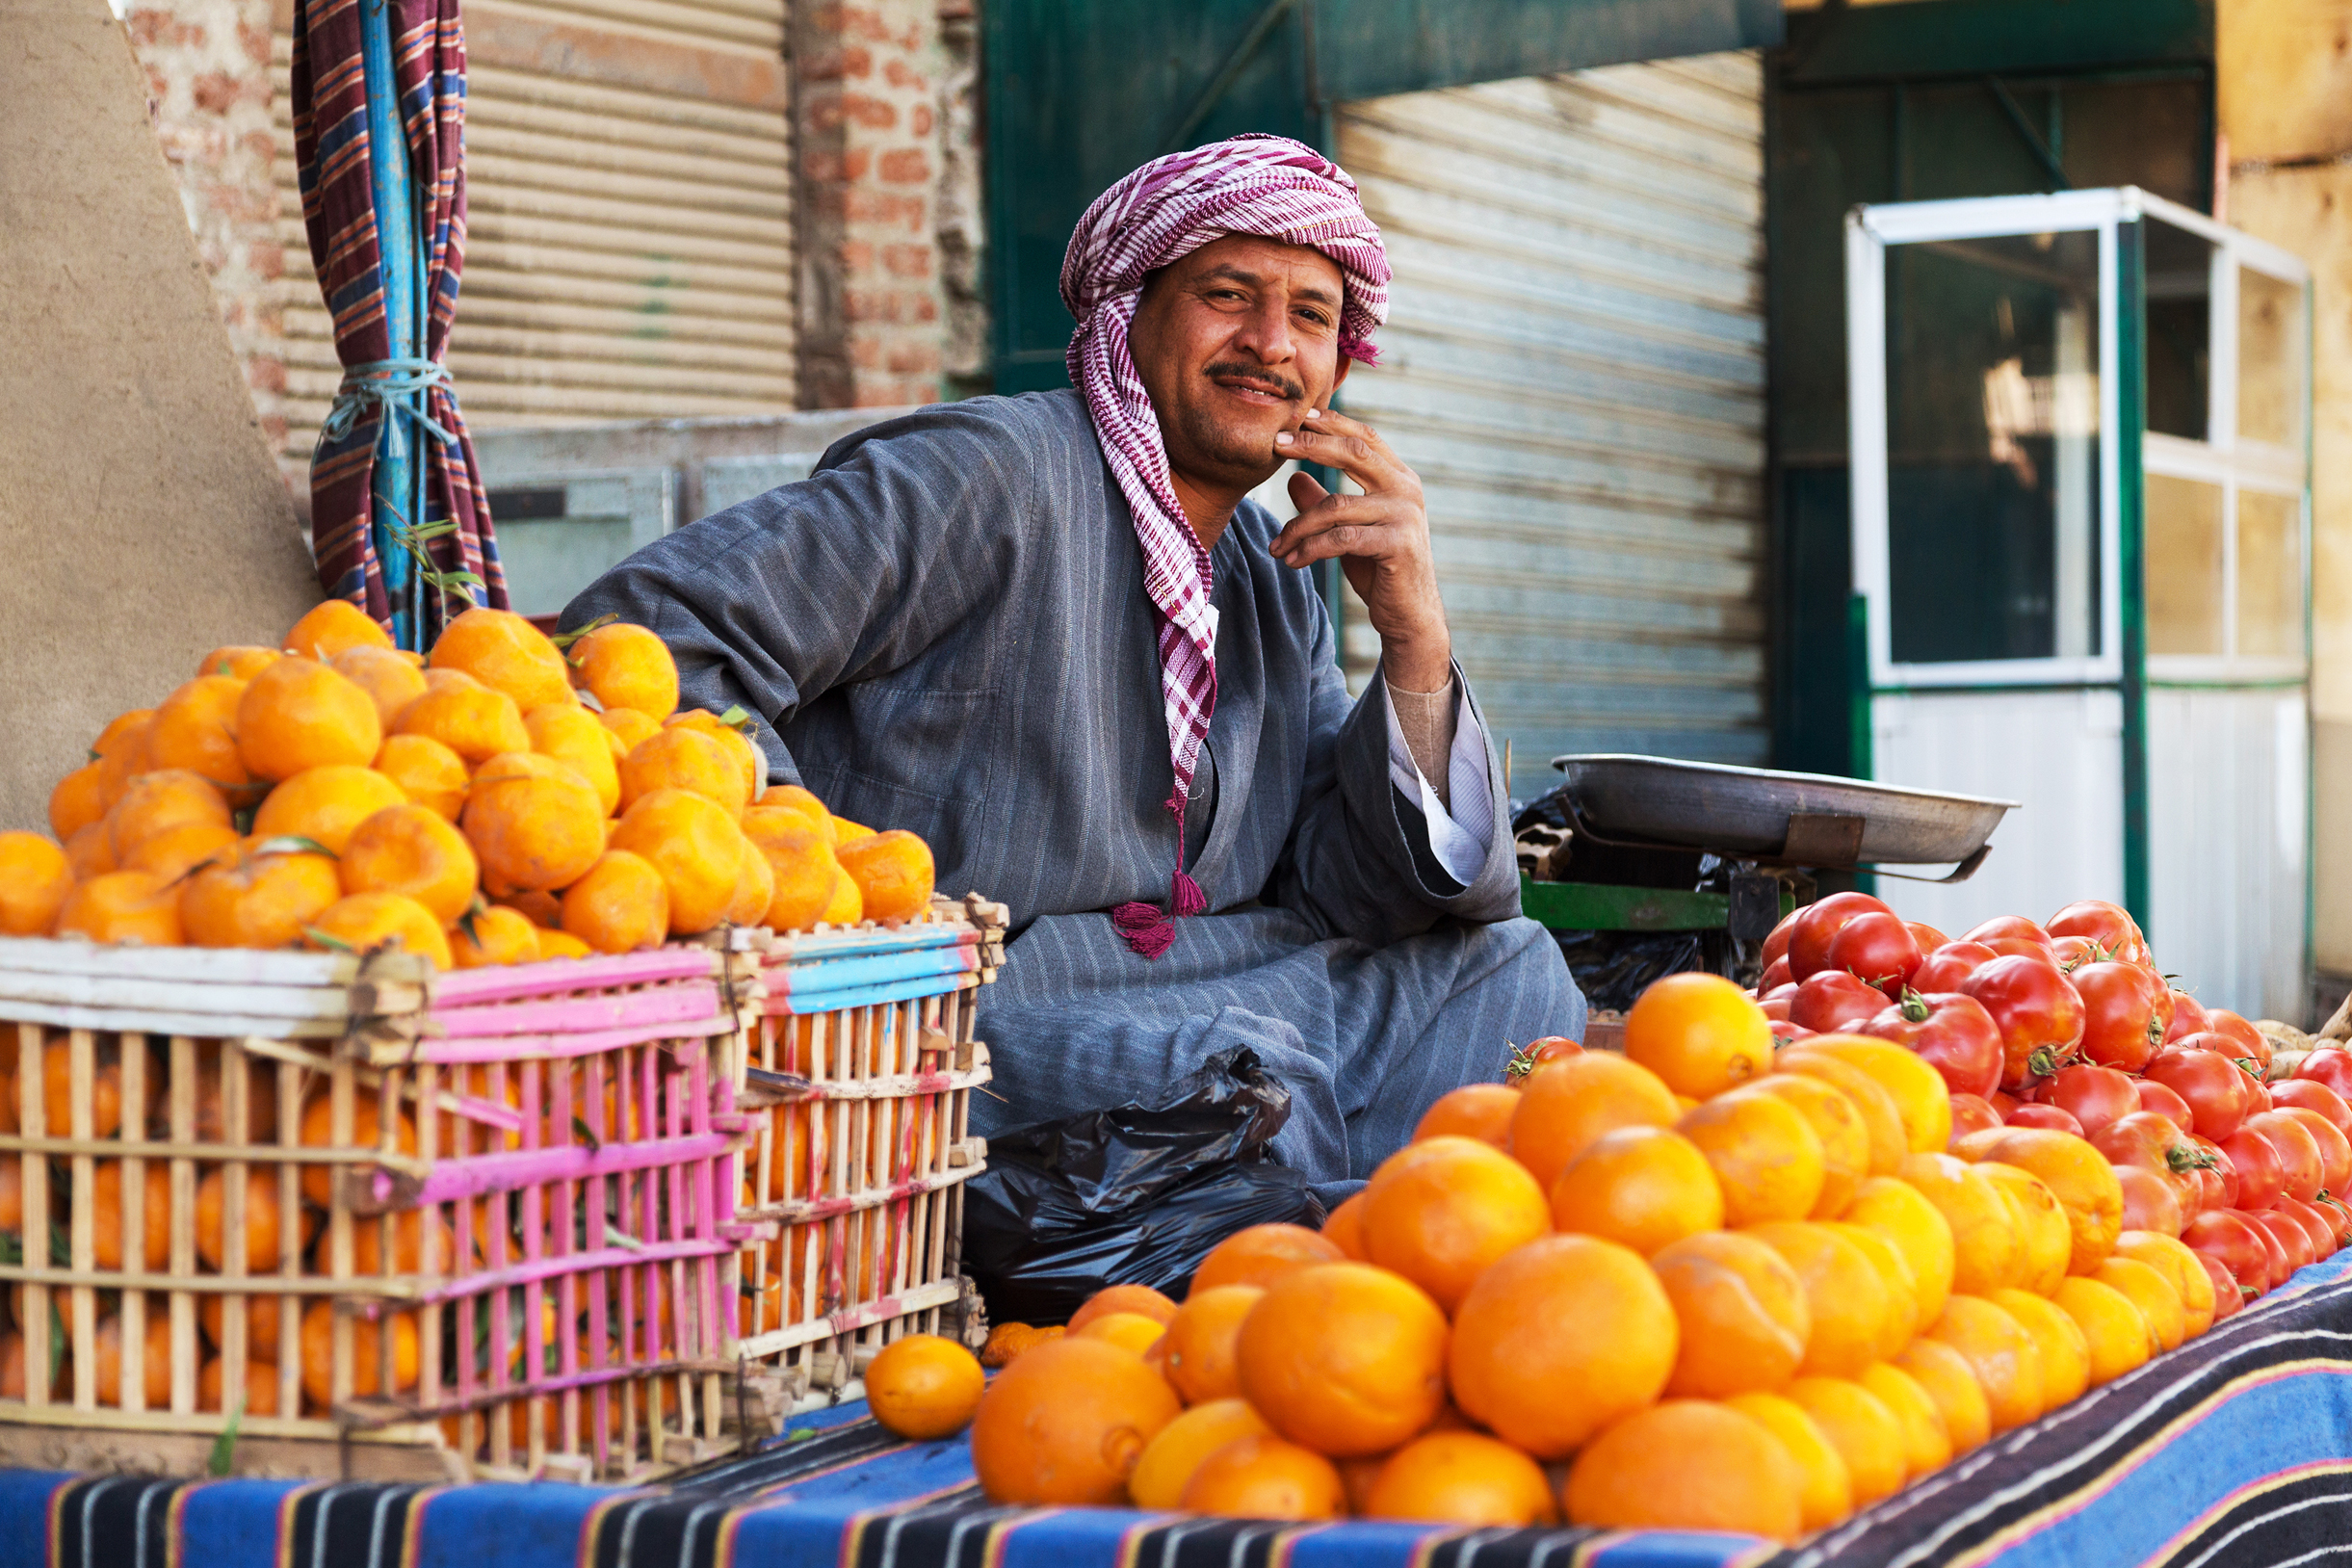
(1926, 1444)
(326, 805)
(1262, 1254)
(317, 1133)
(263, 901)
(696, 846)
(893, 873)
(2082, 1181)
(79, 800)
(261, 1219)
(1700, 1033)
(33, 881)
(1916, 1229)
(1461, 1478)
(367, 1347)
(683, 758)
(1169, 1459)
(571, 735)
(195, 729)
(389, 680)
(1867, 1435)
(2149, 1291)
(542, 909)
(628, 726)
(1134, 1298)
(2115, 1334)
(2171, 1258)
(1825, 1493)
(845, 832)
(555, 944)
(260, 1396)
(1687, 1464)
(411, 849)
(1845, 1142)
(155, 802)
(792, 797)
(1641, 1187)
(363, 921)
(1265, 1478)
(298, 715)
(122, 752)
(734, 739)
(755, 885)
(260, 1097)
(1480, 1110)
(1921, 1098)
(1765, 1154)
(105, 1092)
(1130, 1331)
(506, 653)
(1946, 1377)
(333, 625)
(409, 1245)
(1880, 1120)
(924, 1387)
(1006, 1341)
(628, 666)
(1438, 1211)
(175, 851)
(619, 906)
(1564, 1105)
(238, 661)
(426, 772)
(1741, 1311)
(1558, 1339)
(1197, 1353)
(90, 853)
(1344, 1358)
(2066, 1351)
(1844, 1297)
(106, 1217)
(2043, 1235)
(1986, 1251)
(800, 856)
(492, 934)
(532, 823)
(1887, 1261)
(155, 1362)
(844, 908)
(465, 716)
(123, 906)
(1344, 1227)
(1065, 1423)
(2007, 1360)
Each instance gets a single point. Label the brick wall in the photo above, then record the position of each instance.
(208, 82)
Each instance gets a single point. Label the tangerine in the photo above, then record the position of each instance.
(106, 1217)
(628, 666)
(157, 801)
(465, 716)
(78, 800)
(893, 873)
(34, 883)
(1890, 1143)
(263, 900)
(2081, 1180)
(89, 852)
(326, 805)
(571, 735)
(317, 1132)
(1343, 1226)
(260, 1396)
(1687, 1464)
(1130, 1331)
(627, 726)
(363, 921)
(532, 824)
(1641, 1187)
(506, 653)
(1700, 1033)
(195, 730)
(1566, 1104)
(260, 1230)
(735, 740)
(1921, 1098)
(238, 661)
(411, 849)
(123, 906)
(298, 715)
(317, 1343)
(621, 904)
(389, 680)
(696, 846)
(1741, 1312)
(800, 856)
(755, 886)
(1440, 1211)
(333, 625)
(492, 934)
(426, 772)
(175, 851)
(155, 1360)
(681, 757)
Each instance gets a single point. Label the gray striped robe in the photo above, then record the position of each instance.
(947, 628)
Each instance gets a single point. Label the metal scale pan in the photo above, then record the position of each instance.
(1786, 819)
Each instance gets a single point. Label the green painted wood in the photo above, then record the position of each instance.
(2007, 38)
(2130, 414)
(1372, 49)
(1593, 906)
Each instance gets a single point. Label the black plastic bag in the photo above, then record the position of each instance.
(1613, 968)
(1132, 1195)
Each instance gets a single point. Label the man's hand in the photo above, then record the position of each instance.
(1381, 537)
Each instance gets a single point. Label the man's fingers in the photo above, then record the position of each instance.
(1329, 512)
(1360, 539)
(1306, 492)
(1360, 458)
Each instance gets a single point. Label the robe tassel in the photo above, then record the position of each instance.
(1147, 930)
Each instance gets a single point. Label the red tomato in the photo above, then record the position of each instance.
(2212, 1085)
(2008, 925)
(1785, 1032)
(2222, 1021)
(1786, 992)
(1809, 939)
(2329, 1065)
(2164, 1005)
(2019, 947)
(2073, 952)
(2034, 1113)
(2303, 1094)
(2092, 1096)
(1830, 999)
(2119, 1026)
(1950, 1033)
(2146, 1140)
(1927, 937)
(2314, 1225)
(1878, 948)
(2257, 1096)
(2150, 1202)
(1775, 973)
(1776, 944)
(2108, 925)
(2003, 1103)
(1775, 1008)
(1971, 1114)
(2282, 1264)
(2261, 1177)
(1550, 1048)
(2039, 1015)
(2230, 1239)
(2294, 1240)
(2218, 1179)
(1946, 967)
(2302, 1169)
(2156, 1097)
(2187, 1017)
(2229, 1298)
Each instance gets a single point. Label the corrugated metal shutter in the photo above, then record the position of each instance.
(1575, 367)
(630, 240)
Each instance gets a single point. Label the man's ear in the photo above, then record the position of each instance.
(1339, 377)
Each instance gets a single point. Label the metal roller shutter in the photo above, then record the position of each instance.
(629, 249)
(1575, 367)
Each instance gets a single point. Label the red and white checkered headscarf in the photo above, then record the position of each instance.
(1267, 186)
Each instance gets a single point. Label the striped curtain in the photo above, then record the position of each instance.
(331, 140)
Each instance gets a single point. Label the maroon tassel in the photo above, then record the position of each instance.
(1147, 930)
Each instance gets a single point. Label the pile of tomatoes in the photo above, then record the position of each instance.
(2069, 1024)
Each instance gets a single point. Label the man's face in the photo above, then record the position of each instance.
(1236, 343)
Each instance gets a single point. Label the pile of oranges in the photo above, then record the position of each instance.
(1700, 1284)
(501, 800)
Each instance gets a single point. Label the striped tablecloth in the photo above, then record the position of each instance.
(2234, 1452)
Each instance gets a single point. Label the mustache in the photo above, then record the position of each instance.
(1252, 373)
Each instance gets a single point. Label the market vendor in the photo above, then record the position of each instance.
(1051, 634)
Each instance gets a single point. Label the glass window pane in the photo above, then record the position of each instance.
(2178, 270)
(2184, 565)
(1993, 448)
(2269, 575)
(2269, 360)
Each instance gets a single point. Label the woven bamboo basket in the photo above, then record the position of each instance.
(858, 1076)
(487, 1216)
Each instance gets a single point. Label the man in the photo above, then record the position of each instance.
(1051, 636)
